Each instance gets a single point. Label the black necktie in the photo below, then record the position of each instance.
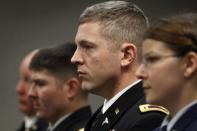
(97, 118)
(163, 128)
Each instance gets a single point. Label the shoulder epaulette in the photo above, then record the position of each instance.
(81, 129)
(149, 107)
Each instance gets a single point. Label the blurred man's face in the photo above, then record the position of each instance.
(25, 104)
(48, 96)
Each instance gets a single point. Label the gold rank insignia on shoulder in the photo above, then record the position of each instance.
(81, 129)
(149, 107)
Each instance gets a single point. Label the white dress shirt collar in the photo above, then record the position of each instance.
(52, 127)
(29, 121)
(108, 103)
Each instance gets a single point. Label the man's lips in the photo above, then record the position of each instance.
(81, 73)
(23, 100)
(36, 105)
(146, 87)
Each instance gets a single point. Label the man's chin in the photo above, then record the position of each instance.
(25, 109)
(40, 115)
(86, 87)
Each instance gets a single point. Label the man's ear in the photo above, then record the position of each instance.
(71, 87)
(129, 53)
(190, 64)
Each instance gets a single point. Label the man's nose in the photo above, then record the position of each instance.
(77, 58)
(32, 91)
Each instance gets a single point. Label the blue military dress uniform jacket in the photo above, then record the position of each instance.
(187, 122)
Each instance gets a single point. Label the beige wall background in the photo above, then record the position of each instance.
(29, 24)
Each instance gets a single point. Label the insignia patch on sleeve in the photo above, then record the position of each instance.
(149, 107)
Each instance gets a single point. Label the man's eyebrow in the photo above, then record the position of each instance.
(148, 53)
(38, 80)
(84, 42)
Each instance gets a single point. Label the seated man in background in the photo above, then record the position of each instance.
(25, 105)
(56, 89)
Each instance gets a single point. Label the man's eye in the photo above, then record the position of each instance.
(151, 59)
(26, 79)
(40, 83)
(86, 46)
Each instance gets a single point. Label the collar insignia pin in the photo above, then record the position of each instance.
(106, 121)
(117, 111)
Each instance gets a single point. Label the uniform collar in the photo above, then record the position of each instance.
(172, 122)
(29, 121)
(52, 127)
(108, 103)
(117, 110)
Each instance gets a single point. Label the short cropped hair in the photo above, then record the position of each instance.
(120, 21)
(56, 60)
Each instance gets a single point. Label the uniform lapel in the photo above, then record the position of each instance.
(80, 115)
(39, 126)
(186, 119)
(92, 119)
(117, 110)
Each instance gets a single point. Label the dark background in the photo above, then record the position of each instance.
(29, 24)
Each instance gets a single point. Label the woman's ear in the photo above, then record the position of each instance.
(71, 87)
(128, 55)
(190, 64)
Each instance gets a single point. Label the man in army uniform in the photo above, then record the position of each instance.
(108, 38)
(25, 104)
(56, 90)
